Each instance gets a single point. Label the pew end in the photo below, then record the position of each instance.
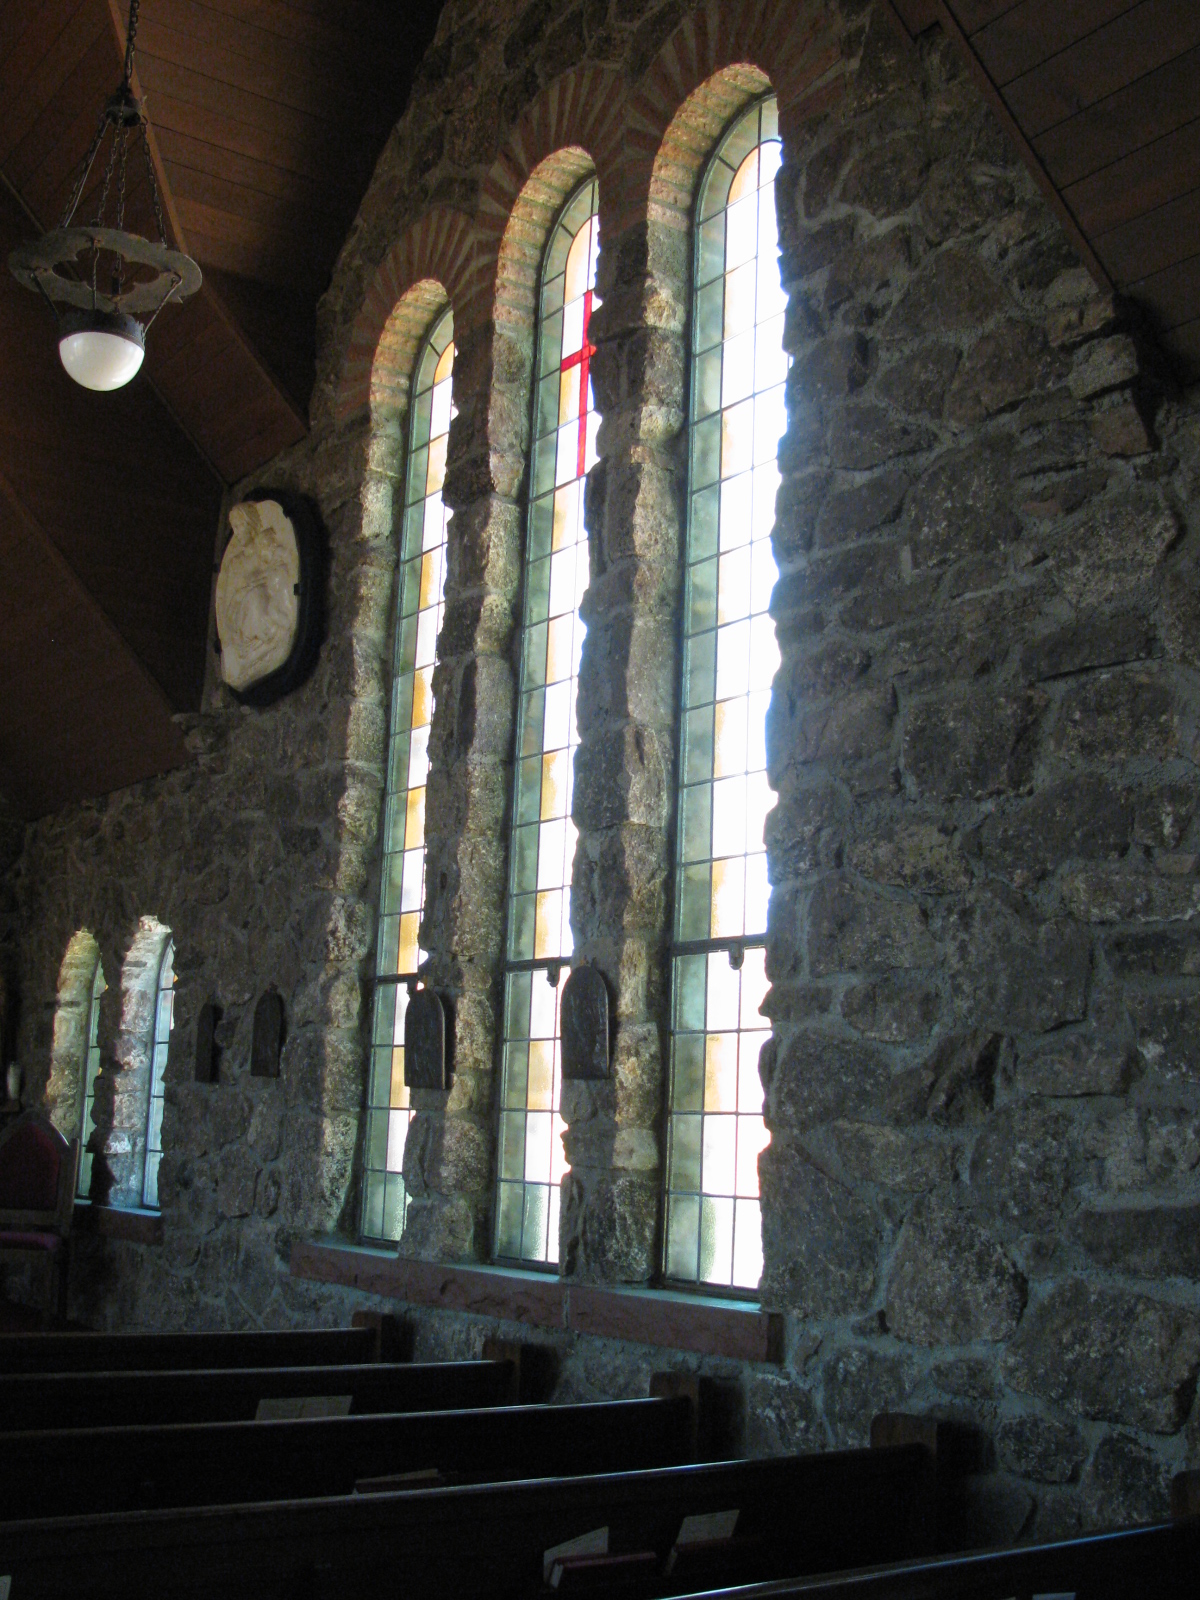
(1185, 1495)
(393, 1338)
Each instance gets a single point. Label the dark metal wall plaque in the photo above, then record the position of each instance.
(425, 1060)
(584, 1012)
(267, 1040)
(206, 1044)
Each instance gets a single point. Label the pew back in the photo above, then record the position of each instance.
(148, 1352)
(796, 1514)
(123, 1469)
(110, 1399)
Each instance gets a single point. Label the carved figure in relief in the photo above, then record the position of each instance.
(257, 604)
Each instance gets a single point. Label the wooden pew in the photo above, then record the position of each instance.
(796, 1514)
(1162, 1562)
(112, 1399)
(176, 1352)
(122, 1469)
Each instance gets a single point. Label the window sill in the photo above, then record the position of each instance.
(118, 1222)
(734, 1328)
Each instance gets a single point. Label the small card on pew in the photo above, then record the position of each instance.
(422, 1478)
(702, 1535)
(292, 1407)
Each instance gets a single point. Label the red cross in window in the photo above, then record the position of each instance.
(582, 359)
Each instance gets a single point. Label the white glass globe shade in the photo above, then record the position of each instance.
(102, 357)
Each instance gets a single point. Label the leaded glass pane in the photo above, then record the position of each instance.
(542, 850)
(730, 659)
(164, 1021)
(419, 610)
(91, 1071)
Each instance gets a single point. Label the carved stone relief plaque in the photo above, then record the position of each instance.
(584, 1021)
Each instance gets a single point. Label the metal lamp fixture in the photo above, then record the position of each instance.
(102, 334)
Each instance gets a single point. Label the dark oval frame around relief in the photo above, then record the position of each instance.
(312, 548)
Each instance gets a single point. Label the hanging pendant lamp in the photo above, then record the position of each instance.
(102, 330)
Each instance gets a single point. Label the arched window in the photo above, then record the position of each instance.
(402, 891)
(91, 1069)
(713, 1231)
(531, 1163)
(164, 1021)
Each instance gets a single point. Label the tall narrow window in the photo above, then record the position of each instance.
(402, 891)
(714, 1232)
(91, 1071)
(164, 1021)
(531, 1160)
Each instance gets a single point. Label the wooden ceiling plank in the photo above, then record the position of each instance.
(260, 447)
(1171, 296)
(266, 143)
(321, 24)
(1152, 242)
(314, 88)
(972, 15)
(272, 269)
(1126, 49)
(50, 153)
(16, 18)
(29, 92)
(1033, 31)
(1124, 122)
(1184, 346)
(186, 86)
(1147, 178)
(232, 205)
(180, 151)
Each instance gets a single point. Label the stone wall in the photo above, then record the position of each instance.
(983, 1184)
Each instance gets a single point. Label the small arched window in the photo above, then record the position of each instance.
(91, 1071)
(164, 1021)
(730, 656)
(542, 847)
(402, 891)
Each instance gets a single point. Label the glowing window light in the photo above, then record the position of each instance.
(714, 1228)
(402, 890)
(164, 1021)
(91, 1071)
(531, 1163)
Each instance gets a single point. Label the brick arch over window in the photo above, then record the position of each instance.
(448, 1157)
(438, 249)
(122, 1096)
(68, 1050)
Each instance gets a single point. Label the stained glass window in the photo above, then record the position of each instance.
(402, 891)
(91, 1071)
(730, 657)
(531, 1160)
(164, 1021)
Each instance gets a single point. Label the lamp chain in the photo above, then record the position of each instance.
(130, 36)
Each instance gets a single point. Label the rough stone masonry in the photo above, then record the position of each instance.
(982, 1192)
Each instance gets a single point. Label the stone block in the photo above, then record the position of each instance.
(918, 856)
(917, 383)
(1145, 1241)
(859, 1383)
(805, 829)
(608, 1227)
(851, 928)
(1075, 1064)
(894, 1157)
(891, 1010)
(1126, 1484)
(951, 1283)
(1162, 953)
(1011, 971)
(1108, 1354)
(1001, 369)
(952, 294)
(782, 1417)
(1020, 1167)
(1125, 894)
(887, 179)
(1084, 818)
(1115, 547)
(954, 1086)
(798, 502)
(820, 1241)
(237, 1175)
(850, 513)
(971, 743)
(1117, 717)
(1121, 430)
(1104, 364)
(1102, 639)
(962, 506)
(819, 1077)
(1042, 1448)
(865, 435)
(875, 269)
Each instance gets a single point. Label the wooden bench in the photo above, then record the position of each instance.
(380, 1340)
(795, 1514)
(123, 1469)
(111, 1399)
(1162, 1561)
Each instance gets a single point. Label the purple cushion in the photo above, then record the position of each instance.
(15, 1240)
(30, 1161)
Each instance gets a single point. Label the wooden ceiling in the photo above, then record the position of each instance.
(267, 118)
(1103, 99)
